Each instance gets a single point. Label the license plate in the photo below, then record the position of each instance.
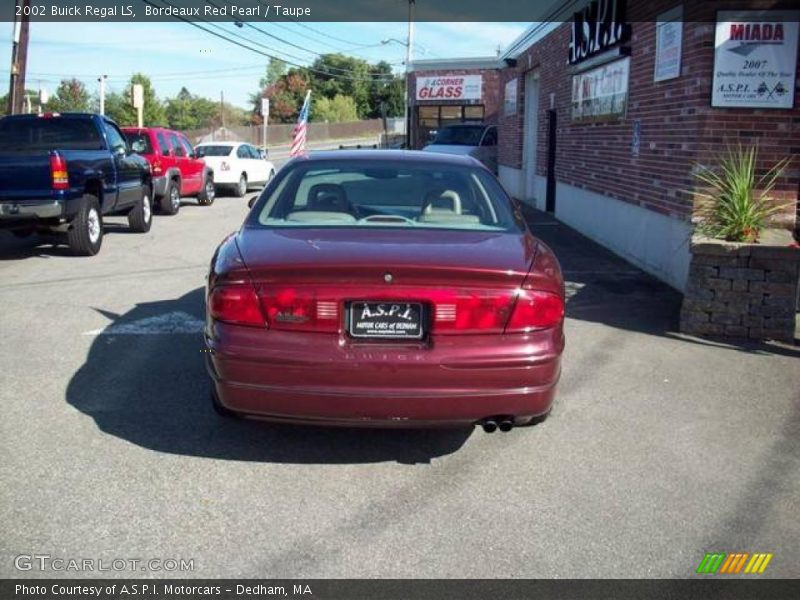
(387, 320)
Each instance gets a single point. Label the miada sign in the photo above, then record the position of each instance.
(450, 87)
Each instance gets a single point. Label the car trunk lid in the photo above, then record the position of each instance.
(314, 279)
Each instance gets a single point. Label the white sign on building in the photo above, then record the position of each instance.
(669, 44)
(755, 59)
(510, 98)
(450, 87)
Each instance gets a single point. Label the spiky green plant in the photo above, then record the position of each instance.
(736, 203)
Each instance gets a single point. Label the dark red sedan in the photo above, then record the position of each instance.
(385, 288)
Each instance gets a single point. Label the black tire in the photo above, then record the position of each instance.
(208, 193)
(171, 202)
(85, 233)
(220, 409)
(241, 187)
(140, 218)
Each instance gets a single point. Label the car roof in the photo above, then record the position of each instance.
(416, 156)
(222, 143)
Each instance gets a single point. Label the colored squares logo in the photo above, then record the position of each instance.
(721, 563)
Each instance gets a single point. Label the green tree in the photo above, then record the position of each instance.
(337, 74)
(368, 86)
(186, 111)
(70, 96)
(276, 69)
(340, 109)
(120, 106)
(33, 94)
(285, 97)
(386, 89)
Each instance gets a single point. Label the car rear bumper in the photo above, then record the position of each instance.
(327, 379)
(226, 177)
(15, 210)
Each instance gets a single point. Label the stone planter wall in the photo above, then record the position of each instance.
(741, 290)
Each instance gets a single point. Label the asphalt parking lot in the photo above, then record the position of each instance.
(660, 448)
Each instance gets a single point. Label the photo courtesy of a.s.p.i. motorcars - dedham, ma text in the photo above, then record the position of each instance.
(399, 300)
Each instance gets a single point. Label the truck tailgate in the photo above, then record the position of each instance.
(25, 176)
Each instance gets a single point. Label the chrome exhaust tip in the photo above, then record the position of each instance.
(506, 425)
(489, 425)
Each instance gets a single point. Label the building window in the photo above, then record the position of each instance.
(430, 118)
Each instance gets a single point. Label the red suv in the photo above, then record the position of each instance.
(177, 172)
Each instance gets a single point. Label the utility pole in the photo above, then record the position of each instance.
(19, 58)
(409, 54)
(102, 81)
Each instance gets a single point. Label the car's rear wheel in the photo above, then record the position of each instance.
(241, 187)
(85, 233)
(171, 202)
(141, 216)
(208, 193)
(221, 410)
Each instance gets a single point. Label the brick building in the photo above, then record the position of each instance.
(607, 138)
(448, 91)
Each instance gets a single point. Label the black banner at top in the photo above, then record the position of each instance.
(351, 10)
(278, 10)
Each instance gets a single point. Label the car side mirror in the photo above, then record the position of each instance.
(165, 153)
(252, 201)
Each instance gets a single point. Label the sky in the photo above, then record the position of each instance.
(176, 54)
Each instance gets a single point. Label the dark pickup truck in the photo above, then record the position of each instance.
(63, 172)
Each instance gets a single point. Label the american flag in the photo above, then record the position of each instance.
(299, 133)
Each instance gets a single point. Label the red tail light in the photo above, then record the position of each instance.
(300, 309)
(157, 167)
(58, 172)
(237, 304)
(314, 309)
(476, 312)
(535, 310)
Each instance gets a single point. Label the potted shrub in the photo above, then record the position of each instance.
(741, 284)
(736, 204)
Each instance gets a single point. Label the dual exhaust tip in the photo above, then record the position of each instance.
(492, 424)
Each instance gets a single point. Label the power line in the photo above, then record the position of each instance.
(280, 39)
(257, 51)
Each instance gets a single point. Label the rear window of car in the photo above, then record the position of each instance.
(139, 142)
(218, 150)
(363, 193)
(459, 136)
(54, 133)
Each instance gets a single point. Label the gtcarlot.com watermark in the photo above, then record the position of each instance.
(60, 564)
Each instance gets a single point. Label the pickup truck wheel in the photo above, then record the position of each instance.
(141, 216)
(85, 233)
(171, 202)
(208, 193)
(241, 187)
